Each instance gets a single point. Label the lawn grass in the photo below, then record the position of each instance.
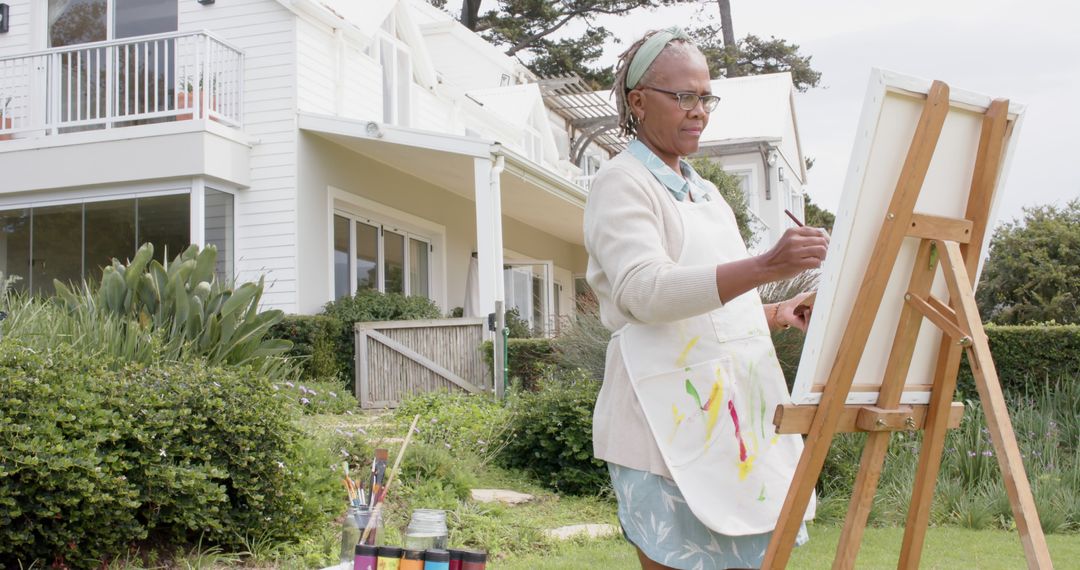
(513, 533)
(946, 549)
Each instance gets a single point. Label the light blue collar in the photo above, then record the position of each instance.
(679, 186)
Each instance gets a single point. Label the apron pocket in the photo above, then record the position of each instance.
(690, 408)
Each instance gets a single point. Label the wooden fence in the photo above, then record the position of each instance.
(397, 358)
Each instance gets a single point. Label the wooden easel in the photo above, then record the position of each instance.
(957, 243)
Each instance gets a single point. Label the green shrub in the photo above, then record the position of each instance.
(583, 344)
(1028, 356)
(517, 326)
(98, 456)
(530, 360)
(196, 313)
(463, 422)
(551, 435)
(369, 306)
(314, 344)
(970, 492)
(1024, 356)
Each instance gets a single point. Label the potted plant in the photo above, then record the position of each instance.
(7, 122)
(190, 96)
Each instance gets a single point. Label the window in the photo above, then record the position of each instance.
(396, 61)
(528, 288)
(72, 242)
(534, 148)
(218, 224)
(372, 255)
(142, 81)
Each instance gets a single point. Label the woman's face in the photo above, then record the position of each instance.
(666, 128)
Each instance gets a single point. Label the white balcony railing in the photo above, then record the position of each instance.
(148, 79)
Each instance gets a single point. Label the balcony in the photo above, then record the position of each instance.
(134, 81)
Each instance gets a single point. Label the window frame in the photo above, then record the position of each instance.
(194, 187)
(380, 251)
(400, 111)
(358, 207)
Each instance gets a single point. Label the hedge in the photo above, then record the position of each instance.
(314, 339)
(1028, 356)
(1023, 355)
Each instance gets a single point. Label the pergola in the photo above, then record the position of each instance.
(593, 118)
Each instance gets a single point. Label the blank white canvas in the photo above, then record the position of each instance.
(890, 114)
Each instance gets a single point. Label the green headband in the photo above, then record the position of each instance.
(648, 52)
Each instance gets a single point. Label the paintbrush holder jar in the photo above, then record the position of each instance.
(350, 535)
(364, 515)
(427, 529)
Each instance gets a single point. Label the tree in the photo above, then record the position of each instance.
(731, 190)
(817, 216)
(1033, 273)
(755, 56)
(525, 29)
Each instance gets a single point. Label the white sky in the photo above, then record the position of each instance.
(1026, 51)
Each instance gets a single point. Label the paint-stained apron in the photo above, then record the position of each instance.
(709, 386)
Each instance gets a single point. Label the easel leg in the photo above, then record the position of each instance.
(934, 430)
(862, 499)
(997, 415)
(877, 443)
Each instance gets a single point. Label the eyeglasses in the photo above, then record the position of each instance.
(687, 100)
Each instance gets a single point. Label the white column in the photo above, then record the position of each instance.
(197, 205)
(488, 256)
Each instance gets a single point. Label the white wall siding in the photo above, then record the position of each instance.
(18, 40)
(317, 58)
(432, 113)
(363, 85)
(266, 230)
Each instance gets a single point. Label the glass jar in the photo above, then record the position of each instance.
(352, 529)
(363, 516)
(350, 535)
(427, 529)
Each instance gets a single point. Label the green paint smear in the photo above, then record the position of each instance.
(693, 393)
(761, 394)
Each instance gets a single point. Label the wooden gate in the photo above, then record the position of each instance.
(397, 358)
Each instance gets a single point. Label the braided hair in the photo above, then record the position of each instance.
(628, 122)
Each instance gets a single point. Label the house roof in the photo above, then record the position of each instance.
(756, 108)
(365, 18)
(433, 21)
(751, 108)
(519, 105)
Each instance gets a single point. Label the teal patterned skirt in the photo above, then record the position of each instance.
(656, 519)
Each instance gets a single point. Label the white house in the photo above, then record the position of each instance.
(331, 145)
(754, 135)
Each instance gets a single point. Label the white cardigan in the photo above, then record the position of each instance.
(633, 234)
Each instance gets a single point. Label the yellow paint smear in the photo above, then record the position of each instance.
(681, 360)
(745, 467)
(715, 396)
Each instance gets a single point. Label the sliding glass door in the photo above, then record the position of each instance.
(131, 80)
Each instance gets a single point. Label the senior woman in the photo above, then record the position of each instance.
(691, 375)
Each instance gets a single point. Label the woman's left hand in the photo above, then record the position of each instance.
(787, 314)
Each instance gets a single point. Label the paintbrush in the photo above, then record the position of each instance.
(378, 501)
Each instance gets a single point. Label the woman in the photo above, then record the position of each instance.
(691, 376)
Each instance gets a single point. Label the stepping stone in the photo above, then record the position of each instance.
(582, 530)
(500, 495)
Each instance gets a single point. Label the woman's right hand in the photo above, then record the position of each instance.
(797, 250)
